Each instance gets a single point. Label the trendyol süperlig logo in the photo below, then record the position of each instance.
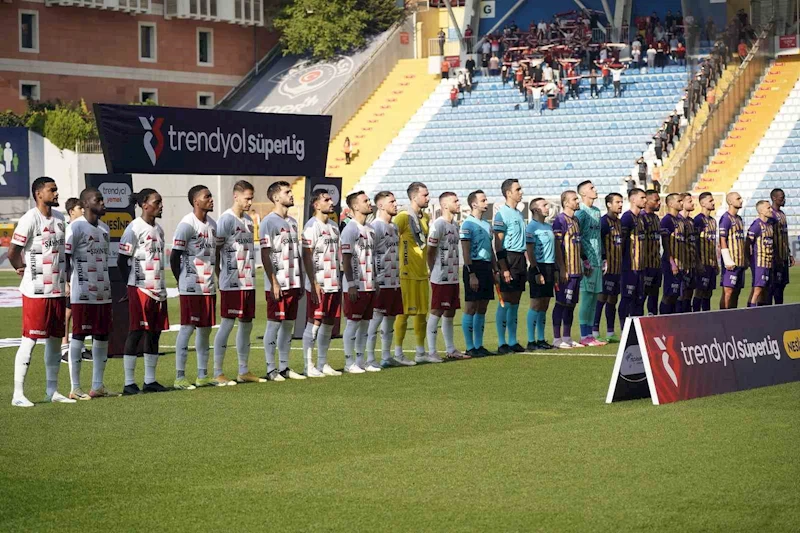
(152, 129)
(661, 342)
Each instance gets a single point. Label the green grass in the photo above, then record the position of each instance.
(519, 442)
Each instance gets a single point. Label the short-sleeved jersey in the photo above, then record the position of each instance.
(387, 254)
(444, 236)
(589, 219)
(673, 230)
(479, 234)
(144, 244)
(358, 242)
(197, 240)
(691, 241)
(237, 268)
(634, 241)
(87, 244)
(42, 240)
(762, 240)
(279, 236)
(652, 225)
(541, 236)
(323, 241)
(567, 232)
(511, 224)
(706, 229)
(731, 228)
(781, 236)
(611, 231)
(413, 264)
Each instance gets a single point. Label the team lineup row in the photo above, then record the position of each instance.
(399, 266)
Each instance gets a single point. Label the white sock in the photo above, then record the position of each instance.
(557, 341)
(201, 346)
(243, 345)
(595, 334)
(309, 336)
(150, 360)
(448, 331)
(372, 335)
(323, 343)
(99, 359)
(129, 362)
(361, 341)
(21, 363)
(270, 343)
(221, 343)
(75, 352)
(398, 351)
(285, 343)
(182, 350)
(349, 337)
(387, 332)
(433, 326)
(52, 362)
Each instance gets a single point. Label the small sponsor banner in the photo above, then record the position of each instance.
(680, 357)
(787, 41)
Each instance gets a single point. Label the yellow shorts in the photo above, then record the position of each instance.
(416, 296)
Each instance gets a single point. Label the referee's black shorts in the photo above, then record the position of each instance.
(519, 272)
(483, 271)
(548, 270)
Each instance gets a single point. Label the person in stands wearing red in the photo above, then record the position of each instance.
(454, 96)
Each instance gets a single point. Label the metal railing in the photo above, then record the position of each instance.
(89, 146)
(447, 47)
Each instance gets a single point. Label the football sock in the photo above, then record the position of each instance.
(323, 343)
(433, 326)
(706, 306)
(284, 343)
(150, 361)
(309, 336)
(697, 305)
(21, 363)
(361, 340)
(652, 304)
(387, 332)
(558, 314)
(419, 332)
(566, 324)
(467, 328)
(478, 327)
(500, 324)
(75, 352)
(540, 325)
(777, 295)
(221, 343)
(99, 360)
(270, 343)
(349, 338)
(372, 334)
(512, 311)
(182, 350)
(586, 309)
(598, 315)
(400, 328)
(243, 345)
(52, 362)
(532, 317)
(448, 332)
(624, 309)
(129, 363)
(611, 318)
(201, 346)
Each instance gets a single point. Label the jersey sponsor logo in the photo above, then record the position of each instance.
(20, 238)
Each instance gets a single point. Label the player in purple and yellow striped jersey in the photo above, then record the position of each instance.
(675, 256)
(687, 287)
(611, 235)
(705, 227)
(570, 264)
(733, 251)
(783, 256)
(652, 271)
(761, 241)
(634, 253)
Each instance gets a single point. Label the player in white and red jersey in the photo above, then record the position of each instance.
(87, 244)
(443, 247)
(37, 254)
(321, 259)
(387, 277)
(192, 263)
(280, 255)
(358, 263)
(142, 258)
(236, 270)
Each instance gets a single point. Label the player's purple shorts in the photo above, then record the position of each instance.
(633, 284)
(672, 282)
(761, 276)
(611, 284)
(706, 279)
(652, 278)
(567, 293)
(780, 276)
(687, 283)
(733, 279)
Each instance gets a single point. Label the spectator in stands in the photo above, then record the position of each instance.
(710, 30)
(442, 38)
(504, 74)
(658, 33)
(743, 51)
(616, 76)
(661, 55)
(535, 98)
(541, 31)
(573, 78)
(348, 150)
(519, 75)
(593, 84)
(495, 46)
(494, 66)
(547, 73)
(680, 54)
(485, 65)
(641, 171)
(636, 56)
(486, 47)
(453, 96)
(468, 38)
(445, 69)
(470, 66)
(669, 21)
(651, 57)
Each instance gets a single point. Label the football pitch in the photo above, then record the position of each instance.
(508, 443)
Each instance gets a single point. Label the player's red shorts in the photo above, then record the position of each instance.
(390, 302)
(286, 307)
(445, 297)
(237, 304)
(145, 313)
(362, 308)
(89, 319)
(329, 307)
(43, 317)
(199, 311)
